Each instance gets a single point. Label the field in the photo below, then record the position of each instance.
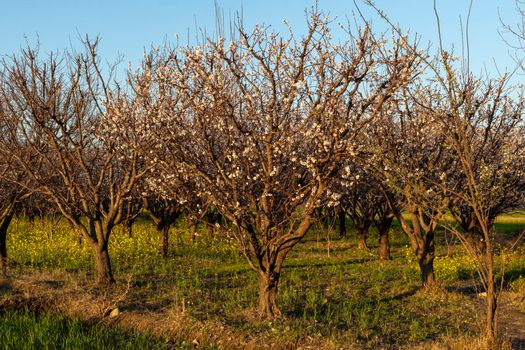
(23, 329)
(332, 295)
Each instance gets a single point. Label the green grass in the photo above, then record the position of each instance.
(28, 330)
(328, 291)
(510, 224)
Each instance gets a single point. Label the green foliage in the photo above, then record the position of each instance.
(27, 330)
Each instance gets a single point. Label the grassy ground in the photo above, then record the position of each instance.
(331, 294)
(511, 223)
(28, 330)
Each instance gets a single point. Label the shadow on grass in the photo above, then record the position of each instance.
(53, 284)
(328, 263)
(468, 287)
(365, 318)
(5, 288)
(401, 296)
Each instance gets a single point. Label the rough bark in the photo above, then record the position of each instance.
(103, 265)
(384, 246)
(270, 260)
(383, 229)
(420, 230)
(426, 254)
(361, 240)
(268, 284)
(362, 232)
(426, 264)
(98, 237)
(3, 239)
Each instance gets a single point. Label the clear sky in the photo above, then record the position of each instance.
(128, 26)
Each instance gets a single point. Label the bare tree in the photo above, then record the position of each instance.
(484, 128)
(10, 196)
(86, 132)
(514, 34)
(14, 183)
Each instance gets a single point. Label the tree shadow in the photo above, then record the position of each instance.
(328, 263)
(401, 296)
(5, 288)
(53, 284)
(468, 287)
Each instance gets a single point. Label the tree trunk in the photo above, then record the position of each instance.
(268, 282)
(3, 239)
(361, 238)
(383, 228)
(164, 240)
(103, 265)
(99, 238)
(384, 246)
(491, 326)
(426, 264)
(422, 242)
(426, 253)
(128, 227)
(492, 296)
(270, 261)
(342, 223)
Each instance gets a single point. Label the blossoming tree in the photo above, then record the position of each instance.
(263, 123)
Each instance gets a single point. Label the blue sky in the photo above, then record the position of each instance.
(126, 27)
